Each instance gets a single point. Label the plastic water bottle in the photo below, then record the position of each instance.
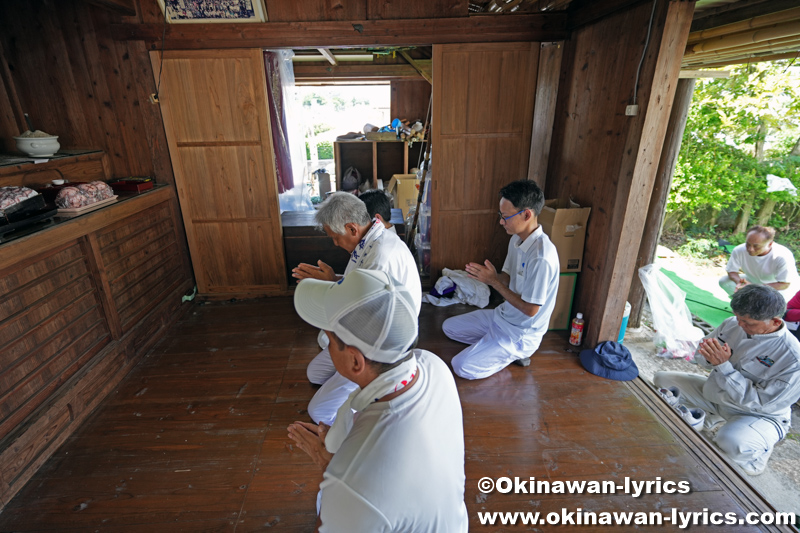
(576, 333)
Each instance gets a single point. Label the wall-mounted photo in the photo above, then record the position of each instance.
(202, 11)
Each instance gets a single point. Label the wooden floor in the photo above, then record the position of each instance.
(195, 438)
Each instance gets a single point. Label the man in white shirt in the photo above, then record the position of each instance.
(528, 282)
(754, 381)
(762, 261)
(398, 463)
(344, 219)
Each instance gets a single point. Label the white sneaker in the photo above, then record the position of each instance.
(671, 395)
(694, 417)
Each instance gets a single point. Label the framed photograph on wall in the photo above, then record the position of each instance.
(204, 11)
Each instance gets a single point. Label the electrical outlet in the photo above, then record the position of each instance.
(632, 110)
(154, 98)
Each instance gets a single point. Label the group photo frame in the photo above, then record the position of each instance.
(206, 11)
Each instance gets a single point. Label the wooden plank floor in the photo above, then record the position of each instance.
(195, 438)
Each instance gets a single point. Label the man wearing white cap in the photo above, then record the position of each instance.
(398, 464)
(345, 219)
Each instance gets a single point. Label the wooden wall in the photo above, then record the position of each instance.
(604, 159)
(59, 64)
(410, 100)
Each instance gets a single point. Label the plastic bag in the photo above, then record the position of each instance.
(675, 336)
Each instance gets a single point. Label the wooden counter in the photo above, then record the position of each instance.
(80, 303)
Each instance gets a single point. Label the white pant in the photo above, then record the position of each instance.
(492, 350)
(747, 439)
(729, 286)
(334, 391)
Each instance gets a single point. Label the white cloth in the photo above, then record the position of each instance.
(533, 269)
(358, 400)
(378, 250)
(754, 390)
(777, 266)
(401, 467)
(468, 291)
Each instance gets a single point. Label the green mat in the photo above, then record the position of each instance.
(702, 303)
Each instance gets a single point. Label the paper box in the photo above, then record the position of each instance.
(405, 189)
(565, 223)
(562, 313)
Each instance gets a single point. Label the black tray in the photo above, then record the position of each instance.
(21, 210)
(28, 220)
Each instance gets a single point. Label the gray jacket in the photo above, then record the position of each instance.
(762, 377)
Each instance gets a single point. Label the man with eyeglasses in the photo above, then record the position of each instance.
(761, 261)
(528, 281)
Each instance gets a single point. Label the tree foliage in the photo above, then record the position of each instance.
(739, 129)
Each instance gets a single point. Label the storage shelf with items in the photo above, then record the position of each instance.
(375, 160)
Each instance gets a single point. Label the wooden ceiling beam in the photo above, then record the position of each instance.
(124, 7)
(411, 61)
(775, 31)
(693, 74)
(784, 44)
(583, 12)
(737, 12)
(306, 72)
(749, 24)
(332, 34)
(328, 55)
(747, 60)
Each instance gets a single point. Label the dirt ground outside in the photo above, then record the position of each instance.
(780, 483)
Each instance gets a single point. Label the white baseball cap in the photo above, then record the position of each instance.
(367, 309)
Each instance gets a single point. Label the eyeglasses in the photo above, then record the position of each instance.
(506, 218)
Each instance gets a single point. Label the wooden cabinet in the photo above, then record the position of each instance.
(375, 160)
(80, 303)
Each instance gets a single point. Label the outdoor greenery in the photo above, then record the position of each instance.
(739, 130)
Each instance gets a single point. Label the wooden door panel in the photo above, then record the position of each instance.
(483, 103)
(218, 131)
(480, 167)
(238, 254)
(221, 104)
(228, 182)
(487, 90)
(472, 236)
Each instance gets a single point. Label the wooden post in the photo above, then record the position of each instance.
(658, 200)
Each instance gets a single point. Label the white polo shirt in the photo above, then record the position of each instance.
(777, 266)
(380, 249)
(533, 268)
(401, 466)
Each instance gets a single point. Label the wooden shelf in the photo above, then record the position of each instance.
(375, 160)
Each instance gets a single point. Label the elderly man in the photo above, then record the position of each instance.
(528, 282)
(754, 381)
(398, 465)
(761, 261)
(344, 219)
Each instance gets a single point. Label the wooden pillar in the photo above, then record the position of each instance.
(544, 110)
(658, 200)
(620, 261)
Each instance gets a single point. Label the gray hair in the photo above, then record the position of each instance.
(759, 302)
(339, 209)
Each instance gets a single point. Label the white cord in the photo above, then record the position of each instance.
(644, 52)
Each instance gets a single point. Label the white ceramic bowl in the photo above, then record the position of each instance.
(38, 146)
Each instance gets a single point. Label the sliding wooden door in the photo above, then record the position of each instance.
(217, 124)
(483, 99)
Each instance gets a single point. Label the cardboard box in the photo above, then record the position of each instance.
(381, 136)
(404, 188)
(565, 223)
(562, 313)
